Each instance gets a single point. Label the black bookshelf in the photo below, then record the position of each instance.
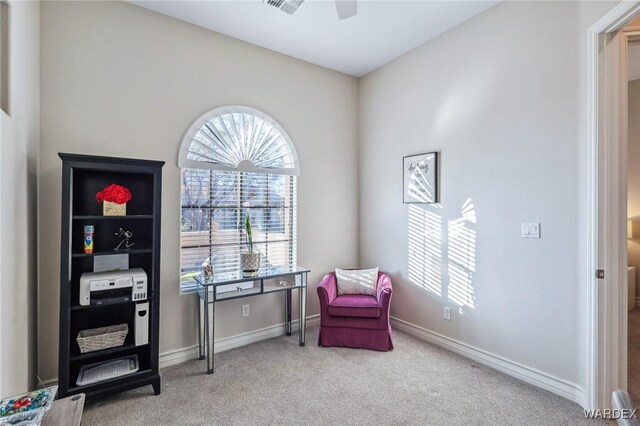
(82, 177)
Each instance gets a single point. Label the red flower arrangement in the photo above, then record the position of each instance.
(114, 194)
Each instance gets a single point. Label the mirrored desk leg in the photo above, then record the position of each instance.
(287, 312)
(200, 348)
(302, 291)
(210, 338)
(209, 315)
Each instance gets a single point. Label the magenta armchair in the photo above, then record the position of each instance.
(355, 321)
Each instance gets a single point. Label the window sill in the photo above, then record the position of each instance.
(187, 288)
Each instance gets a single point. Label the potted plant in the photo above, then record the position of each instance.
(114, 200)
(250, 260)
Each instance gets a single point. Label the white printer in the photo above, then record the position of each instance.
(102, 288)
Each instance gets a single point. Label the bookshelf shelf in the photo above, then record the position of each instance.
(135, 251)
(100, 217)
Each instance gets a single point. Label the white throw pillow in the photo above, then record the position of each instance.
(357, 281)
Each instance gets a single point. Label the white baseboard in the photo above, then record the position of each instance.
(50, 382)
(530, 375)
(178, 356)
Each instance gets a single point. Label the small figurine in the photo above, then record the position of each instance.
(207, 269)
(125, 244)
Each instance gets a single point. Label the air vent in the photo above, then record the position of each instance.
(288, 6)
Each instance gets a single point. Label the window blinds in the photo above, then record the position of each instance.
(214, 205)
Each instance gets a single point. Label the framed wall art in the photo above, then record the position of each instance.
(420, 178)
(4, 56)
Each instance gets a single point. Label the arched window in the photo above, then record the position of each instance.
(236, 161)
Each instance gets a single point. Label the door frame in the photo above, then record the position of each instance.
(606, 351)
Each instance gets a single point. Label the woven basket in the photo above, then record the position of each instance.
(114, 209)
(96, 339)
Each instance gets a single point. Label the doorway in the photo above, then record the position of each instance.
(608, 293)
(633, 209)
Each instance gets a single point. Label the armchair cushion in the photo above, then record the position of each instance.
(358, 306)
(357, 281)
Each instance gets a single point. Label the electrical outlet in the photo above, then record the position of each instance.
(446, 314)
(245, 310)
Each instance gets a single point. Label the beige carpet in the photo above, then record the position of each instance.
(278, 382)
(633, 359)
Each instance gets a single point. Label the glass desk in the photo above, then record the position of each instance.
(233, 285)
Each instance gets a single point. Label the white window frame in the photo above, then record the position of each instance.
(243, 166)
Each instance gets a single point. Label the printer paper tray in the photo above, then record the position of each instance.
(100, 371)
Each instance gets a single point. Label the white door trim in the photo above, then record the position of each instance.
(606, 205)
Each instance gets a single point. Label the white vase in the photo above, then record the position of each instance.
(250, 262)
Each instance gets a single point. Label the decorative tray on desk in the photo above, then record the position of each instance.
(27, 408)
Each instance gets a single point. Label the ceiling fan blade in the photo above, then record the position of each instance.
(346, 8)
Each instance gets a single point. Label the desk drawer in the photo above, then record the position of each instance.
(233, 287)
(229, 291)
(281, 283)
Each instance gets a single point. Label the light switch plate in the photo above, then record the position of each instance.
(531, 230)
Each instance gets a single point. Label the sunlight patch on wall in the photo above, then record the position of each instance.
(425, 249)
(462, 256)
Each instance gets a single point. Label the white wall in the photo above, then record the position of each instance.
(633, 62)
(124, 81)
(502, 97)
(19, 139)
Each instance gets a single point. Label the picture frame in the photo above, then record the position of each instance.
(420, 178)
(4, 56)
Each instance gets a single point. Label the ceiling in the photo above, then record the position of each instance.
(380, 32)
